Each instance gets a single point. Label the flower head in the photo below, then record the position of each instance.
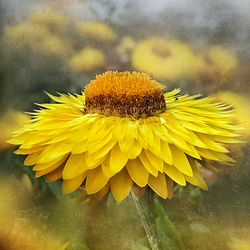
(9, 122)
(97, 31)
(163, 59)
(214, 65)
(54, 21)
(54, 46)
(37, 38)
(86, 60)
(122, 130)
(24, 35)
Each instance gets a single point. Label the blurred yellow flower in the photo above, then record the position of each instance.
(10, 120)
(53, 45)
(17, 231)
(213, 65)
(241, 104)
(97, 31)
(54, 21)
(163, 59)
(39, 39)
(123, 130)
(26, 35)
(86, 60)
(237, 243)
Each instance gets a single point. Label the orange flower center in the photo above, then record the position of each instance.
(124, 94)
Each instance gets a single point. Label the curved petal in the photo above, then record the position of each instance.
(158, 184)
(137, 172)
(121, 185)
(75, 165)
(71, 185)
(95, 181)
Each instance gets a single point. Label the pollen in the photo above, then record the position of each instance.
(124, 94)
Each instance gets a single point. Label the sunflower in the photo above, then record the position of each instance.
(214, 65)
(86, 60)
(124, 131)
(163, 59)
(97, 31)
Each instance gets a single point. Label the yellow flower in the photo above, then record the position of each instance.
(37, 38)
(241, 104)
(97, 31)
(54, 21)
(123, 130)
(16, 230)
(26, 35)
(53, 45)
(9, 122)
(213, 65)
(163, 59)
(86, 60)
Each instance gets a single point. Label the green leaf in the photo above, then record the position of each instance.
(76, 246)
(169, 236)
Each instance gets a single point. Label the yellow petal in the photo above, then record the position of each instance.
(99, 195)
(159, 185)
(134, 150)
(48, 170)
(210, 144)
(170, 187)
(126, 144)
(29, 151)
(75, 165)
(55, 175)
(174, 174)
(102, 142)
(49, 164)
(196, 179)
(180, 161)
(142, 141)
(95, 181)
(146, 163)
(71, 185)
(137, 172)
(154, 160)
(54, 151)
(92, 161)
(146, 133)
(166, 153)
(104, 150)
(106, 167)
(80, 147)
(117, 159)
(121, 185)
(32, 159)
(213, 155)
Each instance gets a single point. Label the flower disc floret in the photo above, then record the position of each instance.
(124, 94)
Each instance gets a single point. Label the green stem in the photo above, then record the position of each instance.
(148, 229)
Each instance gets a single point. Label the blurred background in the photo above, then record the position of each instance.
(59, 46)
